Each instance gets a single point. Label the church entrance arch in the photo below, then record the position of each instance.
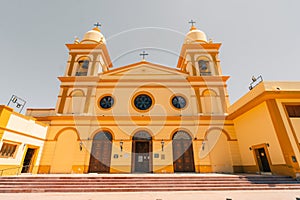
(101, 153)
(183, 157)
(142, 152)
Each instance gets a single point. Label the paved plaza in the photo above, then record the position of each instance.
(207, 195)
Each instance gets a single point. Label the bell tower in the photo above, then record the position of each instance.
(199, 58)
(87, 58)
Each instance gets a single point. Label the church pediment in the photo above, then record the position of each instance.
(143, 69)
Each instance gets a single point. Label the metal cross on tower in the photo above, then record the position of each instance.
(192, 22)
(144, 54)
(97, 24)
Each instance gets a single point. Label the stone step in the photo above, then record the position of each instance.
(149, 185)
(145, 178)
(143, 183)
(66, 190)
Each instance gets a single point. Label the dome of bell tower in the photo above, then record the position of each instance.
(195, 36)
(93, 36)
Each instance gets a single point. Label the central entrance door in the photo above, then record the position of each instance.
(101, 153)
(141, 150)
(262, 160)
(183, 157)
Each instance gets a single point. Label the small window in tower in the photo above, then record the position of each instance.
(83, 66)
(293, 110)
(204, 68)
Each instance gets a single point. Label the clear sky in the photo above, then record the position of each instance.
(259, 37)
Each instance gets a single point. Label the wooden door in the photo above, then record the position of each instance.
(142, 156)
(183, 157)
(101, 154)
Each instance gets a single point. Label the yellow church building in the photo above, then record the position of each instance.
(145, 117)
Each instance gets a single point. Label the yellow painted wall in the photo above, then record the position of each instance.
(65, 148)
(217, 147)
(161, 101)
(256, 127)
(164, 162)
(121, 163)
(121, 131)
(296, 126)
(292, 125)
(5, 113)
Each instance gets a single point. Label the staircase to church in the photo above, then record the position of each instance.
(144, 183)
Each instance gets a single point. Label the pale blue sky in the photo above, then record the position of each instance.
(260, 37)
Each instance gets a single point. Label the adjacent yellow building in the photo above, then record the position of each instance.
(145, 117)
(267, 124)
(21, 142)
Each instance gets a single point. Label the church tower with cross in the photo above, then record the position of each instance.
(87, 58)
(199, 57)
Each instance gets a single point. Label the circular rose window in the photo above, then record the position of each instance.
(143, 102)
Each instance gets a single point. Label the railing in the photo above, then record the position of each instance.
(13, 170)
(205, 73)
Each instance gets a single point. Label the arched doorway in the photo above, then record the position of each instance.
(183, 157)
(142, 152)
(101, 153)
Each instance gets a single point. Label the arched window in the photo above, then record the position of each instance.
(83, 66)
(211, 102)
(204, 67)
(142, 135)
(103, 135)
(76, 102)
(181, 135)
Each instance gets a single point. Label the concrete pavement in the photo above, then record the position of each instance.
(203, 195)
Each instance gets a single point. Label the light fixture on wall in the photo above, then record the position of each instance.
(162, 144)
(24, 145)
(203, 145)
(255, 81)
(121, 145)
(268, 144)
(250, 148)
(80, 145)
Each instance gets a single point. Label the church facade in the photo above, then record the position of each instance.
(145, 117)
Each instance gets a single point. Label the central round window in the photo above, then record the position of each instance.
(107, 102)
(142, 102)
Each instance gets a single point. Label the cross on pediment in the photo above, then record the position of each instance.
(144, 54)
